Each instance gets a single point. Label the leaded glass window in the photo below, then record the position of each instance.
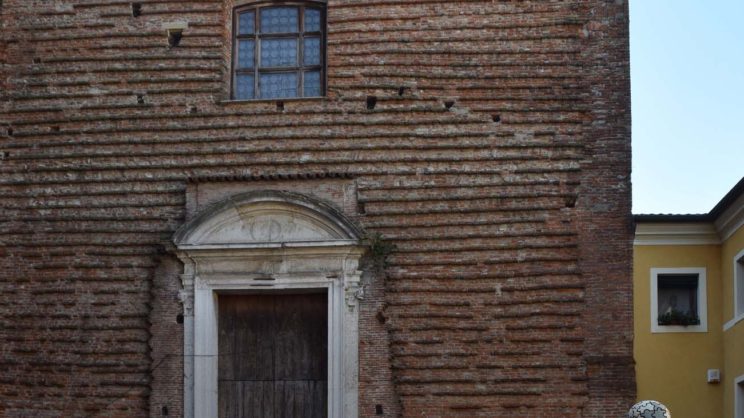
(278, 51)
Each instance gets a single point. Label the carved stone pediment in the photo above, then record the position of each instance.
(266, 218)
(263, 223)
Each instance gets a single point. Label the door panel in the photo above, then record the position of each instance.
(273, 356)
(301, 337)
(245, 342)
(306, 399)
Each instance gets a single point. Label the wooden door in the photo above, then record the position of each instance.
(273, 356)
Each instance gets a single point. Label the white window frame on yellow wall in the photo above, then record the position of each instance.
(738, 290)
(739, 397)
(702, 298)
(739, 286)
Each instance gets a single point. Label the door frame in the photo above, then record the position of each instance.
(201, 335)
(739, 397)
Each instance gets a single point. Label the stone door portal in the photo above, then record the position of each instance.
(271, 287)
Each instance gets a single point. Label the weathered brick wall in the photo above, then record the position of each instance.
(496, 161)
(166, 340)
(604, 226)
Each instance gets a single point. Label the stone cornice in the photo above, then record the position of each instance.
(731, 219)
(683, 233)
(694, 229)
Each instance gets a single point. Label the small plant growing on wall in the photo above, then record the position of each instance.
(379, 250)
(676, 317)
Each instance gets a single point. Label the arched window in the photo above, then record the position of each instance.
(278, 50)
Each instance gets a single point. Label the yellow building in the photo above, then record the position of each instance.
(689, 310)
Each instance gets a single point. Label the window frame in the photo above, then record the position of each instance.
(702, 300)
(256, 70)
(739, 397)
(739, 286)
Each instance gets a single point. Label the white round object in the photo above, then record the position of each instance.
(649, 409)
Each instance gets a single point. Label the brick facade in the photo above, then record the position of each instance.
(496, 162)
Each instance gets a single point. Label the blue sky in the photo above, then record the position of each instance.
(687, 75)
